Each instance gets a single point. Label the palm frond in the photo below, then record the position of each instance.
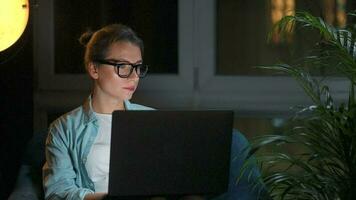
(340, 43)
(324, 167)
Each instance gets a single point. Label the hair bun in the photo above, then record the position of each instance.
(85, 37)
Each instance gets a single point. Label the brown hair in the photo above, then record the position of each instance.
(97, 43)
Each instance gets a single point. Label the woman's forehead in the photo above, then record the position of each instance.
(124, 51)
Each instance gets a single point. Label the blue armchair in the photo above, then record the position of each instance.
(29, 180)
(242, 187)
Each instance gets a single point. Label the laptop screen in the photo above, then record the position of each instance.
(158, 153)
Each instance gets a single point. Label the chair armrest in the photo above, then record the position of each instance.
(26, 188)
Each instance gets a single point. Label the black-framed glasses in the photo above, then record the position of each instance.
(125, 69)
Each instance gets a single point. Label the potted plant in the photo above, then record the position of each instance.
(324, 164)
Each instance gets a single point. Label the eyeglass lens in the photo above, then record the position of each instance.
(125, 70)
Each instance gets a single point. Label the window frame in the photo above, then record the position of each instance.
(196, 86)
(44, 55)
(247, 94)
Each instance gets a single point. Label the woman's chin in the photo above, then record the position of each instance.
(127, 97)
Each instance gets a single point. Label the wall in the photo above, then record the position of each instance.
(16, 107)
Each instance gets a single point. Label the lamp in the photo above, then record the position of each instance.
(13, 20)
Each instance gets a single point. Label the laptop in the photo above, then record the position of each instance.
(170, 153)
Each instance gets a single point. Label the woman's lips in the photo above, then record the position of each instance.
(130, 88)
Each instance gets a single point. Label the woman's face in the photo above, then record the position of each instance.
(107, 82)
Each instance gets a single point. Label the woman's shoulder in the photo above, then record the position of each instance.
(70, 118)
(67, 127)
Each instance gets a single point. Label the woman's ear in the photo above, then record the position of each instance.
(93, 71)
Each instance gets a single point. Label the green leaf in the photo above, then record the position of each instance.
(324, 164)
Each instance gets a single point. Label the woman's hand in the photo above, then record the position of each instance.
(95, 196)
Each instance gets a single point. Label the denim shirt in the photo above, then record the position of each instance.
(69, 141)
(68, 144)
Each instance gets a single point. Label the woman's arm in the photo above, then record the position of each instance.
(59, 176)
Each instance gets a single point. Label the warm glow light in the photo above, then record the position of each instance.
(335, 12)
(341, 16)
(279, 9)
(13, 20)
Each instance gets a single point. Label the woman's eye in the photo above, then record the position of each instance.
(124, 66)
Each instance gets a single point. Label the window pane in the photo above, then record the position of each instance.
(243, 26)
(241, 36)
(155, 21)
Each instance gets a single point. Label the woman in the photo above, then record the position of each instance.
(78, 143)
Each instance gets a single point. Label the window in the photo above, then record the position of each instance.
(204, 61)
(59, 24)
(335, 12)
(280, 9)
(71, 19)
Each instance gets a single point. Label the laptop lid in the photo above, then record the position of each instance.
(159, 153)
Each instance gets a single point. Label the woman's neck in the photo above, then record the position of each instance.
(106, 105)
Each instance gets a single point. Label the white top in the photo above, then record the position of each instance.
(98, 159)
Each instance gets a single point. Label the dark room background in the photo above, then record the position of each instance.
(16, 103)
(201, 54)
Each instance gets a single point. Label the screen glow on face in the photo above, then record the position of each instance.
(13, 20)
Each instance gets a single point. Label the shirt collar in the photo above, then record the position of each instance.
(89, 114)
